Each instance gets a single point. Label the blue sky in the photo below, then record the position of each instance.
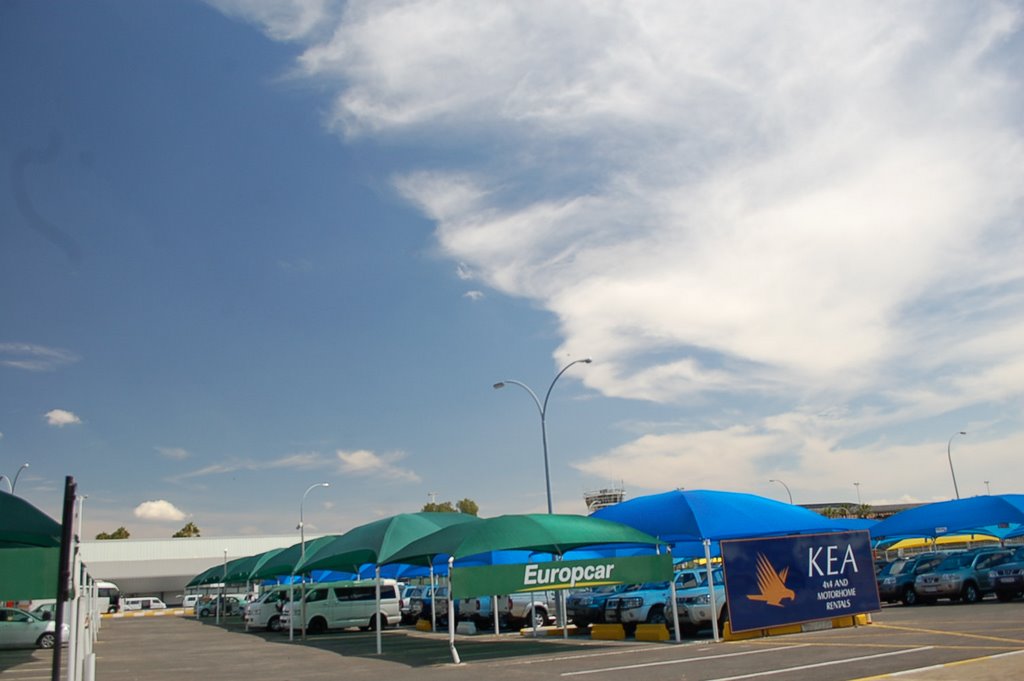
(248, 247)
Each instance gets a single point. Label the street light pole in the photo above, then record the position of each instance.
(543, 409)
(949, 455)
(857, 485)
(302, 542)
(787, 490)
(16, 475)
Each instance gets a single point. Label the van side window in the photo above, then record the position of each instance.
(364, 593)
(316, 595)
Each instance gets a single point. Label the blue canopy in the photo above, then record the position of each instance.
(696, 515)
(999, 515)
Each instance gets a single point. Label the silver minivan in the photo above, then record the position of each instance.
(339, 605)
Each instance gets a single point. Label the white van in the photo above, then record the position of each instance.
(142, 603)
(338, 605)
(265, 611)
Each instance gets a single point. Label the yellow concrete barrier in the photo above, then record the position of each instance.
(651, 632)
(607, 632)
(423, 625)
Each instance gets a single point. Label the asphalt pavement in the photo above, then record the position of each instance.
(981, 642)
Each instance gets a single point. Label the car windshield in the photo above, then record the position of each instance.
(956, 561)
(894, 568)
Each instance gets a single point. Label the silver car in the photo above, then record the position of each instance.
(20, 629)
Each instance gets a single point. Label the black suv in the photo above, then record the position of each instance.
(896, 580)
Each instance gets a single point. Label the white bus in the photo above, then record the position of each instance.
(108, 596)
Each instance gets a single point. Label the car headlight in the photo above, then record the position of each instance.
(951, 578)
(584, 600)
(889, 580)
(629, 603)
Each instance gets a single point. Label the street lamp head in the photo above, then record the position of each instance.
(586, 360)
(963, 432)
(499, 384)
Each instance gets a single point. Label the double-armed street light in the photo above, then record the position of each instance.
(542, 407)
(13, 484)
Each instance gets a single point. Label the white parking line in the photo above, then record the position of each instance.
(770, 672)
(686, 661)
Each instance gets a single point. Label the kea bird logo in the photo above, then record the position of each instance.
(771, 583)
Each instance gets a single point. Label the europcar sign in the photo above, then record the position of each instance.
(566, 574)
(790, 580)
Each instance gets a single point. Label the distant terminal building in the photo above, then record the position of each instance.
(601, 498)
(162, 567)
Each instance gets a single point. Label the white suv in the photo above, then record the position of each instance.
(649, 604)
(266, 610)
(339, 605)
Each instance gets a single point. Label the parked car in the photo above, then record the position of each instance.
(961, 576)
(207, 606)
(21, 629)
(896, 581)
(647, 604)
(406, 594)
(694, 604)
(339, 605)
(586, 607)
(1008, 578)
(518, 609)
(142, 603)
(265, 611)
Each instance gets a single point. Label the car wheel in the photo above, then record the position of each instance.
(274, 624)
(909, 596)
(317, 626)
(112, 609)
(47, 640)
(970, 593)
(539, 617)
(656, 615)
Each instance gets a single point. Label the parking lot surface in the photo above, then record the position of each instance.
(981, 642)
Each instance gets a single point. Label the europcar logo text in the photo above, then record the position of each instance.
(544, 577)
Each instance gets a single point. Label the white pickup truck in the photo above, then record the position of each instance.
(518, 609)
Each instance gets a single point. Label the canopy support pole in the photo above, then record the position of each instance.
(433, 603)
(675, 606)
(451, 614)
(377, 616)
(494, 610)
(711, 591)
(291, 608)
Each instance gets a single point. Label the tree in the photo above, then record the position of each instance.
(467, 506)
(190, 530)
(119, 533)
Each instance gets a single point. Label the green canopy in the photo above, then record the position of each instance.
(29, 550)
(239, 569)
(207, 576)
(551, 533)
(285, 561)
(22, 524)
(28, 572)
(376, 542)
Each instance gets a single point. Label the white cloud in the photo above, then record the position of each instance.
(176, 453)
(61, 418)
(804, 217)
(473, 295)
(32, 357)
(159, 510)
(365, 462)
